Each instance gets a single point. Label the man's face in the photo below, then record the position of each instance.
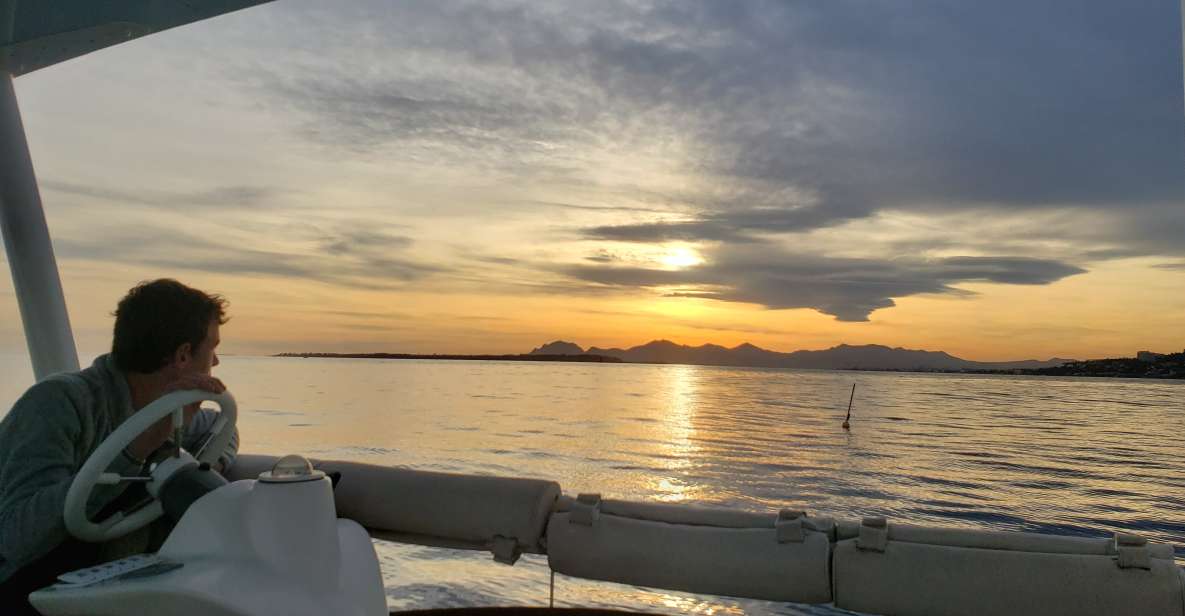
(196, 360)
(205, 356)
(200, 361)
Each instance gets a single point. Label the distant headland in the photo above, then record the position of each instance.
(1145, 364)
(520, 357)
(843, 357)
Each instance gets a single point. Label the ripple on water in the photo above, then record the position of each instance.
(941, 481)
(1048, 484)
(996, 519)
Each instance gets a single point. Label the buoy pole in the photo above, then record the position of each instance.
(847, 422)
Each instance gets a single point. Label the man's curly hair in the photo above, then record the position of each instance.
(155, 318)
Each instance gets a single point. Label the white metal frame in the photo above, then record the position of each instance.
(34, 35)
(30, 252)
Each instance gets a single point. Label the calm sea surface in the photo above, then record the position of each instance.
(1064, 456)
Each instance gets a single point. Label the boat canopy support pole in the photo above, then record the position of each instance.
(30, 253)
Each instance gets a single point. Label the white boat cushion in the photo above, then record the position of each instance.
(502, 514)
(700, 550)
(953, 572)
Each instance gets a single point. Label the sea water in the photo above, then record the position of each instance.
(1068, 456)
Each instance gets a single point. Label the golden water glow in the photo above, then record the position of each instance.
(682, 400)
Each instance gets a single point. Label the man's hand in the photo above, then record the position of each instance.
(151, 439)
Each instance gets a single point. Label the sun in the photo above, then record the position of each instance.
(680, 258)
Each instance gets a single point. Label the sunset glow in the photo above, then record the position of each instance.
(679, 258)
(394, 177)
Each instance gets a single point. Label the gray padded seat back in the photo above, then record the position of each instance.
(501, 514)
(919, 571)
(677, 547)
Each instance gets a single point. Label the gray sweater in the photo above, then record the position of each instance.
(45, 439)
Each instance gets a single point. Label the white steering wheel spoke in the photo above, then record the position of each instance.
(111, 479)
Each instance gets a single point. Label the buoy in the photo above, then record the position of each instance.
(847, 422)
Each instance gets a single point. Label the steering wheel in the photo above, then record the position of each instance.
(93, 472)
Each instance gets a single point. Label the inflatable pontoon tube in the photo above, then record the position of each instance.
(778, 557)
(917, 571)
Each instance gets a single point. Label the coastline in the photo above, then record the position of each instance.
(520, 357)
(1087, 369)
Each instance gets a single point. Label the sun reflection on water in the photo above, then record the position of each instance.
(681, 399)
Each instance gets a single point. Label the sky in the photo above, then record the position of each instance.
(1000, 180)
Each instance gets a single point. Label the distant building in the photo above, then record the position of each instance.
(1149, 356)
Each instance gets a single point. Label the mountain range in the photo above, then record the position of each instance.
(842, 357)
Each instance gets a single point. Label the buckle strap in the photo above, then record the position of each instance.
(1132, 551)
(874, 534)
(789, 526)
(585, 509)
(506, 549)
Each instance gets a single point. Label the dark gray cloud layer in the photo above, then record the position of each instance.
(872, 104)
(802, 114)
(848, 289)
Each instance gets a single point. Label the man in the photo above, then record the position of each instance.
(164, 340)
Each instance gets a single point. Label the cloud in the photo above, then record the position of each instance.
(797, 115)
(602, 256)
(358, 241)
(364, 314)
(848, 289)
(1005, 270)
(731, 226)
(228, 197)
(599, 208)
(658, 232)
(362, 266)
(773, 121)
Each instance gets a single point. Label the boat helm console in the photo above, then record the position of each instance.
(272, 545)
